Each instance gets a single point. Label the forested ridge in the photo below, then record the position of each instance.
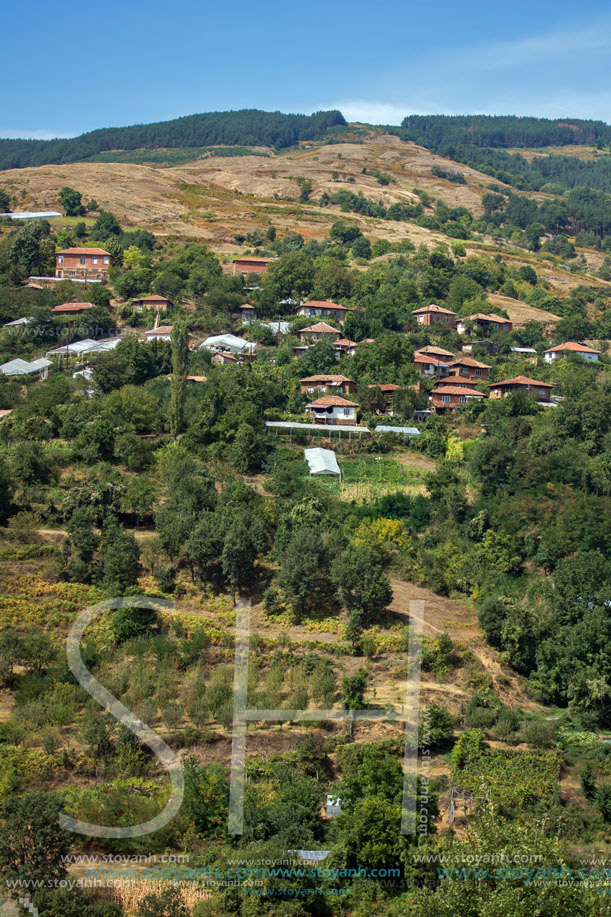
(245, 127)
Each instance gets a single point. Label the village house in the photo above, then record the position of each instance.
(388, 389)
(344, 348)
(541, 390)
(529, 354)
(438, 353)
(251, 265)
(449, 397)
(466, 366)
(72, 308)
(430, 366)
(247, 312)
(433, 315)
(159, 303)
(83, 263)
(327, 383)
(221, 358)
(162, 333)
(332, 409)
(489, 346)
(484, 323)
(319, 309)
(318, 332)
(561, 350)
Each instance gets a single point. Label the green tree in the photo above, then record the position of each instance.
(121, 566)
(353, 690)
(361, 584)
(166, 903)
(303, 575)
(5, 201)
(6, 490)
(32, 843)
(105, 226)
(71, 201)
(130, 622)
(180, 360)
(206, 800)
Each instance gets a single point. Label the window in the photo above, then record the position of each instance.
(83, 259)
(60, 259)
(71, 273)
(347, 412)
(106, 260)
(445, 399)
(462, 398)
(478, 372)
(94, 260)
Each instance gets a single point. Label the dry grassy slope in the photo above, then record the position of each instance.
(214, 198)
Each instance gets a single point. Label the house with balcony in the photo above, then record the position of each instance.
(333, 409)
(438, 353)
(332, 384)
(469, 368)
(159, 303)
(540, 390)
(483, 323)
(320, 331)
(72, 308)
(449, 397)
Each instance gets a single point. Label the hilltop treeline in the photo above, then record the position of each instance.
(483, 142)
(248, 127)
(502, 131)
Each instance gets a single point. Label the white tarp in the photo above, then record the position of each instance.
(322, 461)
(228, 342)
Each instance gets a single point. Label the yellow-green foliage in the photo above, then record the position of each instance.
(383, 534)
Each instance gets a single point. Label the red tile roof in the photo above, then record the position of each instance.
(329, 401)
(249, 259)
(487, 317)
(247, 306)
(73, 307)
(468, 361)
(345, 342)
(162, 329)
(319, 327)
(421, 358)
(83, 251)
(574, 348)
(452, 380)
(434, 351)
(456, 390)
(323, 304)
(521, 380)
(385, 387)
(153, 298)
(327, 378)
(433, 308)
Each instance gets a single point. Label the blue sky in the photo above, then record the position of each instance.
(74, 66)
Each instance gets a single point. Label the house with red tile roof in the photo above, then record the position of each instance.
(449, 397)
(388, 389)
(162, 333)
(323, 309)
(333, 409)
(430, 366)
(222, 357)
(83, 263)
(327, 383)
(72, 308)
(319, 332)
(160, 303)
(344, 347)
(251, 265)
(561, 350)
(540, 390)
(484, 322)
(438, 353)
(433, 315)
(467, 366)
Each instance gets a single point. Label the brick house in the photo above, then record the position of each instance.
(321, 309)
(72, 308)
(83, 263)
(485, 323)
(541, 390)
(433, 315)
(160, 303)
(557, 353)
(430, 366)
(449, 397)
(251, 265)
(388, 390)
(327, 383)
(333, 409)
(467, 366)
(321, 331)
